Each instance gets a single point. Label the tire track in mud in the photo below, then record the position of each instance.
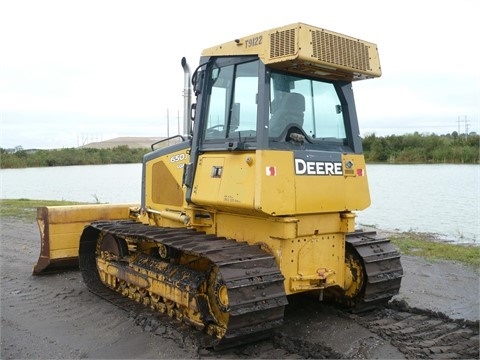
(416, 333)
(423, 334)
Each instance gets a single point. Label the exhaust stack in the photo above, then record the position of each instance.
(187, 98)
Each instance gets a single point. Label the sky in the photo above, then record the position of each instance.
(74, 72)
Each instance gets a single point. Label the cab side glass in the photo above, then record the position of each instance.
(310, 105)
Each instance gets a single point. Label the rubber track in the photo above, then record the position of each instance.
(382, 267)
(255, 284)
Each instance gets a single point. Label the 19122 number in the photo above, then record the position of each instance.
(255, 41)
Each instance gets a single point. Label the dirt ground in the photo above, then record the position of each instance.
(55, 317)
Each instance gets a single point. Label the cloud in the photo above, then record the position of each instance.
(113, 68)
(427, 103)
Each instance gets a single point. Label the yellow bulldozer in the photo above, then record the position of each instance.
(255, 202)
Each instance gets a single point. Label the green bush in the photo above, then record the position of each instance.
(426, 148)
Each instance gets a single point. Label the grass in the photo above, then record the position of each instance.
(425, 245)
(26, 209)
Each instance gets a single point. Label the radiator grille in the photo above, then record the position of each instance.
(339, 50)
(282, 43)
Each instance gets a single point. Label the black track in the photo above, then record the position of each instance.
(255, 285)
(383, 269)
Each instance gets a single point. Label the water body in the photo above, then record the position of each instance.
(87, 183)
(441, 199)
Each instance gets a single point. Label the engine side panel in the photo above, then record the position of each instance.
(273, 183)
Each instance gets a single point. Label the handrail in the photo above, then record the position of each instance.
(167, 139)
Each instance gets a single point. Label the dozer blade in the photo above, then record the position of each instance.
(61, 227)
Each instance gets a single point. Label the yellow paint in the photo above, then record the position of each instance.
(298, 47)
(61, 227)
(252, 189)
(163, 181)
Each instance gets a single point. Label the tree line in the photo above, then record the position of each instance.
(71, 156)
(410, 148)
(423, 148)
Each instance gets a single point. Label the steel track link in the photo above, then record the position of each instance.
(256, 295)
(382, 265)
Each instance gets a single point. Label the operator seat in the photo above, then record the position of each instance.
(290, 110)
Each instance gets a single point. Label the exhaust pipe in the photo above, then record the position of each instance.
(187, 98)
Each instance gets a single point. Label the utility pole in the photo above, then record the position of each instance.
(168, 124)
(178, 122)
(464, 120)
(466, 128)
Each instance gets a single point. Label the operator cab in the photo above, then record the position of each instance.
(247, 105)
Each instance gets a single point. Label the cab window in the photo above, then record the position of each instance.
(232, 110)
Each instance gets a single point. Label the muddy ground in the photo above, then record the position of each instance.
(55, 317)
